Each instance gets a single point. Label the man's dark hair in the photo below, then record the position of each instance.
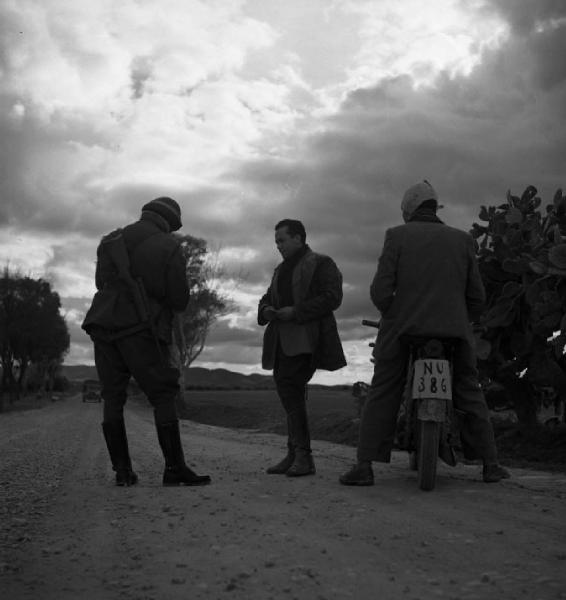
(294, 227)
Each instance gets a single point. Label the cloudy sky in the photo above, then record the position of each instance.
(247, 112)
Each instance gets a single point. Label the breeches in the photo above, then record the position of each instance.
(136, 356)
(291, 375)
(379, 416)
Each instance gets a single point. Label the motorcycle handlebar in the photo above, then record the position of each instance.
(371, 323)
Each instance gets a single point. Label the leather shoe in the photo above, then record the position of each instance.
(359, 474)
(282, 466)
(126, 478)
(494, 472)
(302, 465)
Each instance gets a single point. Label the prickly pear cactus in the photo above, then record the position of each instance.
(521, 251)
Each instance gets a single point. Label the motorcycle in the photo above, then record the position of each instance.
(427, 424)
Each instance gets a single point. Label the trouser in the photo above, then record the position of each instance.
(291, 375)
(379, 417)
(136, 356)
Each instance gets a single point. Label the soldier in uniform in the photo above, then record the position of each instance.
(141, 282)
(301, 334)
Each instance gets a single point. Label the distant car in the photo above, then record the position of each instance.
(91, 390)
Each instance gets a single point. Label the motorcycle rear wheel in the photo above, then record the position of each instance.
(427, 454)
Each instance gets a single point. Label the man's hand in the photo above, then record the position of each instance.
(269, 313)
(286, 313)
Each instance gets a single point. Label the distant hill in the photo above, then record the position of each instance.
(79, 372)
(196, 378)
(201, 378)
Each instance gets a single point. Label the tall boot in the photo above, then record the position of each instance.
(303, 463)
(176, 471)
(283, 465)
(117, 444)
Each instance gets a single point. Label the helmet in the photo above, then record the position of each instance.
(416, 195)
(167, 208)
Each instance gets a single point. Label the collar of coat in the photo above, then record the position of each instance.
(158, 220)
(425, 216)
(303, 271)
(293, 260)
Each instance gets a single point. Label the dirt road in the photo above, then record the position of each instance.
(67, 532)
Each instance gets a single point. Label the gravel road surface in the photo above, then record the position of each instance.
(67, 532)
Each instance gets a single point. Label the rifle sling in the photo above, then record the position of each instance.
(129, 252)
(144, 324)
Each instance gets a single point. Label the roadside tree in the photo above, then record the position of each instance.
(32, 329)
(207, 302)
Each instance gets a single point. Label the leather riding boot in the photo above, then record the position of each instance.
(117, 444)
(176, 471)
(302, 465)
(299, 434)
(283, 465)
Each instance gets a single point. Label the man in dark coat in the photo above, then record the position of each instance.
(141, 281)
(427, 284)
(301, 334)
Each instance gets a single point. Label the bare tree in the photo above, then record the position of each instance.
(207, 302)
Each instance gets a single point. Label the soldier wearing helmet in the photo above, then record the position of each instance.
(141, 282)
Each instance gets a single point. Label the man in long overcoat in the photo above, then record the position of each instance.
(427, 284)
(301, 334)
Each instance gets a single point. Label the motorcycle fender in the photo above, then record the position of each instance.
(432, 409)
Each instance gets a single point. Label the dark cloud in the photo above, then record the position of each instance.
(140, 72)
(549, 52)
(39, 192)
(11, 158)
(538, 30)
(474, 137)
(525, 17)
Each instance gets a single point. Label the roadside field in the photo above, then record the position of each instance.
(330, 412)
(332, 415)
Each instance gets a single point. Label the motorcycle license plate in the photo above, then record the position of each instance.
(431, 378)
